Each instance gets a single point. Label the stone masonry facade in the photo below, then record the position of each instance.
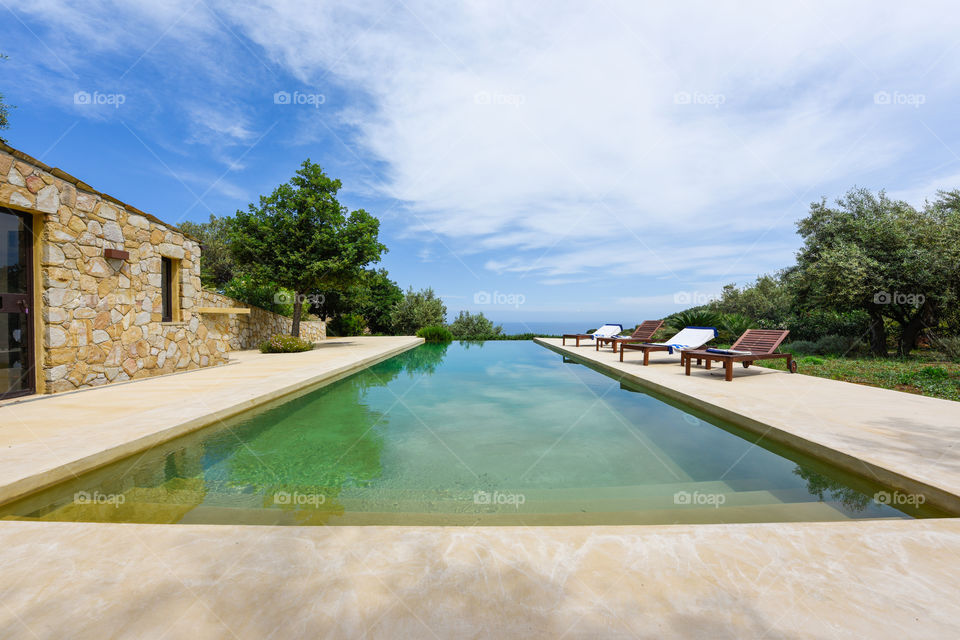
(236, 332)
(100, 317)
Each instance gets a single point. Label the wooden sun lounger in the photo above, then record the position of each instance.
(643, 333)
(646, 348)
(576, 336)
(761, 343)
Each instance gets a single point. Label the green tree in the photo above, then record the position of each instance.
(416, 310)
(303, 239)
(264, 295)
(4, 109)
(468, 326)
(884, 257)
(766, 299)
(372, 297)
(217, 267)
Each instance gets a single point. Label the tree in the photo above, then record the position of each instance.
(4, 109)
(301, 238)
(373, 297)
(216, 263)
(468, 326)
(418, 309)
(766, 299)
(884, 257)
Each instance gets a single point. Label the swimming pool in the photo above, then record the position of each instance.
(494, 433)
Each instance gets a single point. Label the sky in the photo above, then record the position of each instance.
(599, 161)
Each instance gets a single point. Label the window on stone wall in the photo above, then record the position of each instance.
(166, 289)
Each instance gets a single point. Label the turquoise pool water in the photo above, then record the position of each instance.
(481, 433)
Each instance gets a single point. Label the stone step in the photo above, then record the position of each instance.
(795, 512)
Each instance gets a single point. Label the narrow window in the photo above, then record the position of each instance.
(166, 288)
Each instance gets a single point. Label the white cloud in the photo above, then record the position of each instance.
(571, 140)
(218, 125)
(519, 127)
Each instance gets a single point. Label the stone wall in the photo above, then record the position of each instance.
(101, 318)
(237, 332)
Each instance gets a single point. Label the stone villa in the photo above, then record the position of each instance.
(94, 291)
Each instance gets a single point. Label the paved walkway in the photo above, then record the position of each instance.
(903, 440)
(46, 440)
(885, 579)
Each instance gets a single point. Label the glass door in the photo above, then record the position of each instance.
(16, 298)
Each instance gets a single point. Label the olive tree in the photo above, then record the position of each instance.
(884, 257)
(301, 238)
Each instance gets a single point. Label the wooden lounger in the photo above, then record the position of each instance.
(646, 348)
(643, 334)
(612, 330)
(761, 343)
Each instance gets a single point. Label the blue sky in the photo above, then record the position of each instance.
(582, 161)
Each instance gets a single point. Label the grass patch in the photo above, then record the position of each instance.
(925, 373)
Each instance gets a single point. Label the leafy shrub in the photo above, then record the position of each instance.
(264, 295)
(735, 324)
(949, 345)
(836, 345)
(435, 333)
(283, 343)
(825, 346)
(418, 309)
(470, 326)
(694, 318)
(800, 347)
(933, 374)
(813, 325)
(348, 324)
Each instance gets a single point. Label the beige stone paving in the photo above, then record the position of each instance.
(903, 440)
(52, 438)
(884, 579)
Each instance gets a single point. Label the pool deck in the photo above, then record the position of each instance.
(877, 579)
(883, 579)
(905, 441)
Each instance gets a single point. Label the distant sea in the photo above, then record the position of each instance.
(547, 328)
